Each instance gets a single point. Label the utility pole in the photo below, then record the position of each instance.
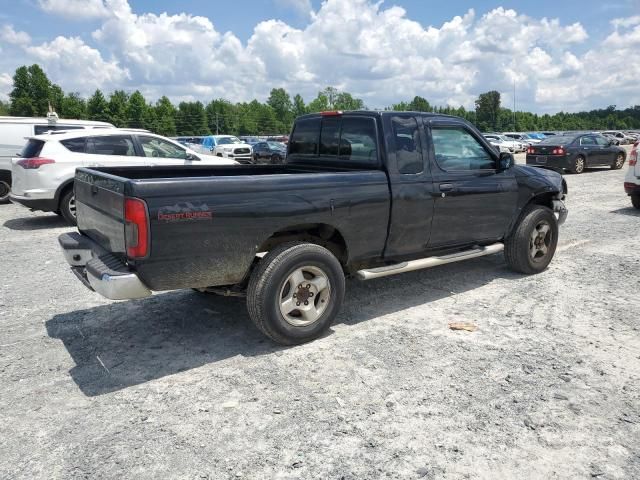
(217, 125)
(514, 105)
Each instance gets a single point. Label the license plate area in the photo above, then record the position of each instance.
(541, 159)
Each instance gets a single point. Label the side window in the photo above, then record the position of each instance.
(74, 144)
(330, 136)
(159, 148)
(358, 141)
(121, 145)
(587, 141)
(602, 141)
(408, 149)
(304, 140)
(457, 150)
(40, 129)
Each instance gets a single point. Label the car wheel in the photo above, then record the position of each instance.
(68, 207)
(295, 292)
(635, 201)
(579, 164)
(275, 159)
(5, 190)
(531, 246)
(618, 162)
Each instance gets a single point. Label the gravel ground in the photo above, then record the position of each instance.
(180, 385)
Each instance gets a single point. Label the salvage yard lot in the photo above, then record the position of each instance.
(181, 385)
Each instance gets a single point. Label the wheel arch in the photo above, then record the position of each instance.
(322, 234)
(64, 186)
(5, 176)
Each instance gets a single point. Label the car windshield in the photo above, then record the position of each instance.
(558, 139)
(277, 145)
(228, 140)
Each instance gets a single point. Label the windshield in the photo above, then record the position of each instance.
(228, 140)
(558, 140)
(277, 145)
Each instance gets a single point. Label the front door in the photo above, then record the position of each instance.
(475, 201)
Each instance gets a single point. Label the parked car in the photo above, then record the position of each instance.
(575, 152)
(614, 140)
(624, 140)
(13, 133)
(43, 174)
(514, 146)
(360, 193)
(251, 140)
(227, 146)
(498, 144)
(526, 139)
(632, 178)
(269, 152)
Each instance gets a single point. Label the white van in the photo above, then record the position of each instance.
(13, 131)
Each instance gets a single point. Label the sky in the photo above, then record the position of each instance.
(559, 55)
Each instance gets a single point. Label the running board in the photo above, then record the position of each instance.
(428, 262)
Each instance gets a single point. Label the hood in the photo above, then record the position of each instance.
(543, 175)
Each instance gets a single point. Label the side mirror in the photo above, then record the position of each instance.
(506, 161)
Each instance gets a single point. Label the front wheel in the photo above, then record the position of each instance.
(295, 292)
(618, 162)
(532, 244)
(68, 207)
(635, 201)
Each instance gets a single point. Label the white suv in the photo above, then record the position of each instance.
(632, 179)
(227, 146)
(43, 173)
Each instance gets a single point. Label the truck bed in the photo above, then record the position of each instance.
(207, 223)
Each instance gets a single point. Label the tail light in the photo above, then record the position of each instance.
(530, 150)
(333, 113)
(633, 156)
(558, 151)
(34, 163)
(136, 227)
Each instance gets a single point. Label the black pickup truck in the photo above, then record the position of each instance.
(366, 194)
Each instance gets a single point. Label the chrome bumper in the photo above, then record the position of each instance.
(99, 270)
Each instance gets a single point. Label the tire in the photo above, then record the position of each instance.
(579, 164)
(5, 190)
(274, 280)
(521, 251)
(275, 159)
(618, 163)
(635, 201)
(68, 207)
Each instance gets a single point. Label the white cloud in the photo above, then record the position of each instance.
(302, 7)
(9, 35)
(6, 84)
(369, 48)
(77, 9)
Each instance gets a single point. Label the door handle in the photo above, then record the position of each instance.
(446, 187)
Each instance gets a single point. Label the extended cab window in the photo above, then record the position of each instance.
(156, 147)
(457, 150)
(408, 148)
(111, 145)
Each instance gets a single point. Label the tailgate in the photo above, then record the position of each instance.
(100, 208)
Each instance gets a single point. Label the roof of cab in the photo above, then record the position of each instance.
(88, 132)
(377, 113)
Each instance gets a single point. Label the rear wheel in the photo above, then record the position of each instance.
(68, 207)
(618, 162)
(531, 246)
(5, 189)
(579, 164)
(295, 292)
(635, 201)
(275, 159)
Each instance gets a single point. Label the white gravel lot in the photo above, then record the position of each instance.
(180, 385)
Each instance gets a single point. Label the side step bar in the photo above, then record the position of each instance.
(428, 262)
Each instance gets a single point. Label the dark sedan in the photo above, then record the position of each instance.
(575, 152)
(269, 152)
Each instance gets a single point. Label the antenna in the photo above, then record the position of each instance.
(514, 105)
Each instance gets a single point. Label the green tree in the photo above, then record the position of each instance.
(73, 106)
(21, 102)
(97, 107)
(136, 111)
(165, 123)
(191, 119)
(56, 98)
(117, 108)
(299, 108)
(345, 101)
(280, 101)
(4, 108)
(487, 110)
(39, 89)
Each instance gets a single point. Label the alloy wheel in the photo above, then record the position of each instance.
(305, 296)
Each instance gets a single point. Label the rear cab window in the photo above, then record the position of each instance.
(342, 140)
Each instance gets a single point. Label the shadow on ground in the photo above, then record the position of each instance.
(123, 344)
(36, 223)
(631, 211)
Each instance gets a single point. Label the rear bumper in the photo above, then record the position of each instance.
(553, 162)
(99, 270)
(44, 204)
(631, 188)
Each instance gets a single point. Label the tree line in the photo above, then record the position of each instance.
(33, 93)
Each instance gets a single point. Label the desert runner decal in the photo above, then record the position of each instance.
(185, 212)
